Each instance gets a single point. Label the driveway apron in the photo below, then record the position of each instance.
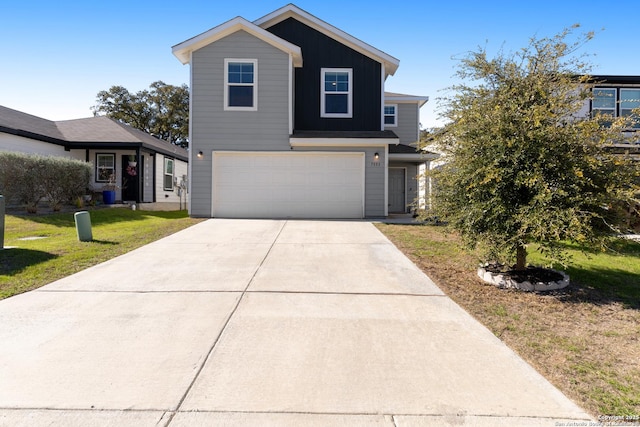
(261, 322)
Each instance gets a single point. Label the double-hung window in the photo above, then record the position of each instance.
(604, 102)
(105, 167)
(629, 101)
(241, 84)
(168, 174)
(390, 115)
(336, 92)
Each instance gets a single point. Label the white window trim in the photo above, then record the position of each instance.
(395, 116)
(635, 124)
(630, 90)
(227, 107)
(98, 167)
(349, 113)
(613, 110)
(165, 174)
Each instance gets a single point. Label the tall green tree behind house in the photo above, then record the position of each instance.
(523, 163)
(162, 110)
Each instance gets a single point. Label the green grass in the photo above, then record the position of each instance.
(615, 273)
(57, 253)
(584, 338)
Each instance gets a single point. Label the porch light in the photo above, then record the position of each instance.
(376, 156)
(200, 154)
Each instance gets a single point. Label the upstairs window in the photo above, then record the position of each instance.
(630, 100)
(240, 84)
(337, 92)
(390, 115)
(604, 102)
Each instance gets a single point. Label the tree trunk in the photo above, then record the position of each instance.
(521, 258)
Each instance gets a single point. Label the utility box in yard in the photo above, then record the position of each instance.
(83, 226)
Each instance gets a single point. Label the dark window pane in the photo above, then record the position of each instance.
(389, 120)
(336, 104)
(168, 182)
(240, 96)
(240, 72)
(336, 82)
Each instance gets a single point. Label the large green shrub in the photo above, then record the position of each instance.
(28, 179)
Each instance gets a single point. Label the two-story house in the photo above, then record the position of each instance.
(289, 118)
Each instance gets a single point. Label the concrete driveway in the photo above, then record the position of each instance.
(261, 323)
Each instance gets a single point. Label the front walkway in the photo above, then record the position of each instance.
(261, 322)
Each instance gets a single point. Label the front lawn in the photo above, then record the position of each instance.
(45, 248)
(585, 339)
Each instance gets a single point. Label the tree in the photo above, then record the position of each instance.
(162, 111)
(522, 164)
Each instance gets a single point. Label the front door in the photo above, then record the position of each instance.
(131, 179)
(397, 203)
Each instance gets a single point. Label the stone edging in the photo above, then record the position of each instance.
(499, 280)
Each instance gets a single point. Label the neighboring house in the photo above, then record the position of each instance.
(618, 96)
(109, 145)
(289, 118)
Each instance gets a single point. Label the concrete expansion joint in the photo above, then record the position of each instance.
(224, 327)
(385, 294)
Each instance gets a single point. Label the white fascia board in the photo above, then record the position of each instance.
(406, 157)
(183, 50)
(407, 99)
(342, 142)
(292, 11)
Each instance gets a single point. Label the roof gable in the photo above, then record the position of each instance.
(292, 11)
(183, 50)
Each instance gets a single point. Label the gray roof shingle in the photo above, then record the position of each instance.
(82, 133)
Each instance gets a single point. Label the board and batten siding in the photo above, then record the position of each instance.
(374, 176)
(320, 51)
(179, 169)
(213, 128)
(408, 123)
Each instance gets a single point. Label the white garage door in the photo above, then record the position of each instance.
(288, 185)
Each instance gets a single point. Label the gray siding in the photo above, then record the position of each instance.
(408, 123)
(212, 128)
(374, 181)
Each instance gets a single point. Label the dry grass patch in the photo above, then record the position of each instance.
(584, 339)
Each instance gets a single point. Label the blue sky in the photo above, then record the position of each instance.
(57, 55)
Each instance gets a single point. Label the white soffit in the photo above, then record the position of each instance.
(291, 11)
(183, 50)
(390, 97)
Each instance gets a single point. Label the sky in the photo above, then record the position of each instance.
(57, 55)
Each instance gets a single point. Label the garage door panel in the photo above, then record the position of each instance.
(286, 184)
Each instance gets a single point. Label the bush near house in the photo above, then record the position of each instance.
(27, 179)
